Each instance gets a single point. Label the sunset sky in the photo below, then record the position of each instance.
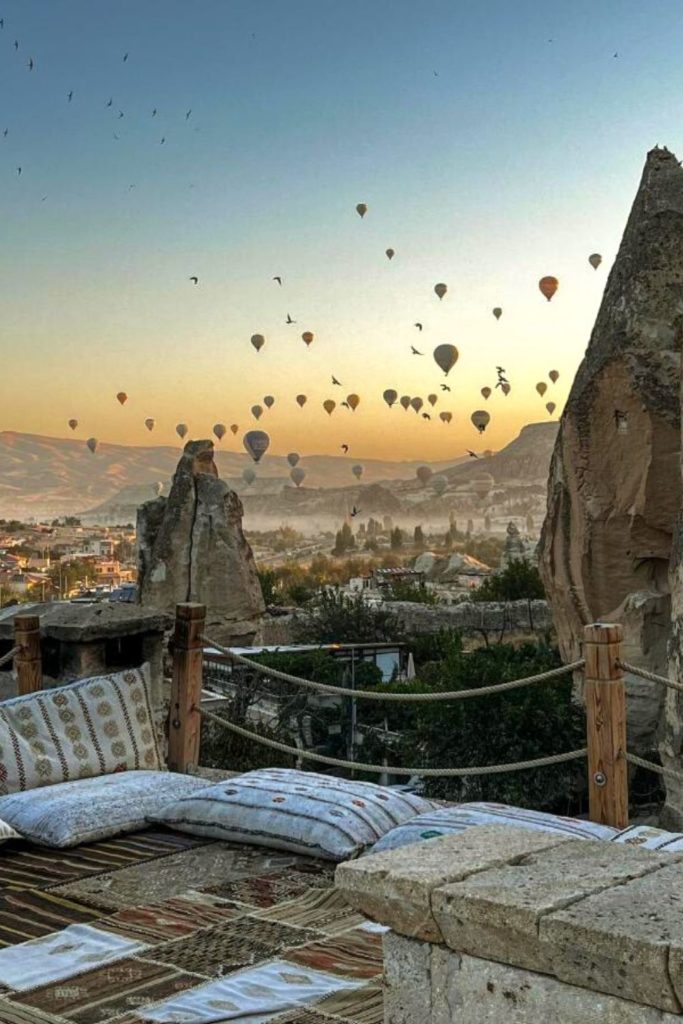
(494, 143)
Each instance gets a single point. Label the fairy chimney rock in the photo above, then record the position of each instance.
(615, 483)
(191, 547)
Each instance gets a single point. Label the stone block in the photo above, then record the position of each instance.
(468, 990)
(396, 887)
(627, 941)
(496, 913)
(407, 980)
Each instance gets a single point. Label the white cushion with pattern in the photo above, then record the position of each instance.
(84, 811)
(650, 838)
(447, 820)
(318, 815)
(90, 727)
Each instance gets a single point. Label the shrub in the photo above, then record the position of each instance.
(519, 581)
(336, 617)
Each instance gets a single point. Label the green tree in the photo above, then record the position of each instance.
(519, 581)
(396, 542)
(344, 541)
(346, 618)
(418, 537)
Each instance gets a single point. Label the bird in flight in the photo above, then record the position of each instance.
(426, 416)
(154, 112)
(472, 455)
(355, 512)
(344, 448)
(419, 326)
(5, 133)
(415, 352)
(616, 55)
(445, 387)
(16, 44)
(346, 405)
(115, 136)
(30, 64)
(120, 114)
(125, 57)
(109, 101)
(18, 172)
(194, 279)
(289, 320)
(70, 96)
(335, 381)
(278, 279)
(187, 114)
(2, 22)
(163, 140)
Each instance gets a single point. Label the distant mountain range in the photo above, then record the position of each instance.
(55, 476)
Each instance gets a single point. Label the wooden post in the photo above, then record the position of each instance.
(186, 689)
(605, 697)
(27, 662)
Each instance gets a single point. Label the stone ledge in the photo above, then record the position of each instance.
(81, 623)
(395, 888)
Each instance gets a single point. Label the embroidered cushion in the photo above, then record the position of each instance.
(90, 727)
(317, 815)
(447, 820)
(650, 838)
(7, 832)
(85, 810)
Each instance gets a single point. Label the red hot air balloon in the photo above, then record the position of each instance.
(548, 286)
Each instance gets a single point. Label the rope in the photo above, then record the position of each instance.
(489, 769)
(9, 656)
(652, 677)
(402, 698)
(658, 769)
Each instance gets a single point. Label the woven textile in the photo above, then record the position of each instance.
(29, 913)
(91, 727)
(355, 954)
(448, 820)
(84, 811)
(325, 910)
(318, 815)
(171, 919)
(267, 890)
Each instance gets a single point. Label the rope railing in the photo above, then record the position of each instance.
(383, 695)
(658, 769)
(9, 656)
(335, 762)
(651, 677)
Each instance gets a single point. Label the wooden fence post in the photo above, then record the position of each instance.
(27, 661)
(605, 697)
(186, 689)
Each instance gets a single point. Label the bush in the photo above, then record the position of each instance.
(336, 617)
(519, 581)
(403, 590)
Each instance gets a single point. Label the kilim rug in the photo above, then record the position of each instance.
(190, 927)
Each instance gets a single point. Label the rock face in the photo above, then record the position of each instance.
(191, 548)
(614, 487)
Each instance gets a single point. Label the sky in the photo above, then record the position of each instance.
(494, 143)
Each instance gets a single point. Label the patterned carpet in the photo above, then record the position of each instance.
(163, 928)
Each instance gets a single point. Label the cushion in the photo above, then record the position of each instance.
(303, 812)
(650, 838)
(85, 810)
(447, 820)
(7, 832)
(90, 727)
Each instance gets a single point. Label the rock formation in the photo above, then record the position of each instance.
(191, 548)
(516, 549)
(614, 487)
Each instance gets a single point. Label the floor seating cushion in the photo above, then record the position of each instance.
(85, 810)
(650, 838)
(91, 727)
(319, 815)
(447, 820)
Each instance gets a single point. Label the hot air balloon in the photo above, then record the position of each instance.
(548, 286)
(293, 459)
(219, 430)
(307, 337)
(301, 400)
(445, 417)
(390, 397)
(486, 392)
(92, 444)
(181, 429)
(550, 406)
(405, 402)
(73, 424)
(357, 471)
(445, 357)
(329, 406)
(353, 401)
(432, 399)
(297, 476)
(441, 289)
(234, 428)
(416, 404)
(361, 209)
(554, 376)
(256, 443)
(541, 387)
(389, 253)
(150, 423)
(480, 419)
(439, 483)
(248, 475)
(122, 397)
(497, 312)
(256, 412)
(269, 401)
(258, 341)
(482, 484)
(424, 475)
(595, 259)
(506, 388)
